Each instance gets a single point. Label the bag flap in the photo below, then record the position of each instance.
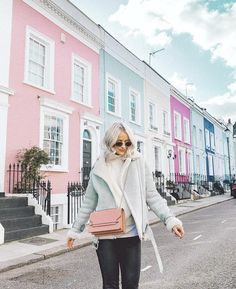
(105, 216)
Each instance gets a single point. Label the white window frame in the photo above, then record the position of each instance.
(210, 164)
(182, 161)
(63, 113)
(212, 141)
(197, 164)
(157, 158)
(87, 66)
(194, 136)
(54, 215)
(207, 137)
(177, 126)
(117, 85)
(186, 130)
(136, 94)
(166, 126)
(190, 163)
(49, 58)
(200, 138)
(153, 122)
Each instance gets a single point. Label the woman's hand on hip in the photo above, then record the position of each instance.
(70, 243)
(178, 230)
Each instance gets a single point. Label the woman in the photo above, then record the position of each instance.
(120, 178)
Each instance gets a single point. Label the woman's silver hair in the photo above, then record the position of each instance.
(111, 136)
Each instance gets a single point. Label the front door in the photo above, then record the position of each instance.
(87, 156)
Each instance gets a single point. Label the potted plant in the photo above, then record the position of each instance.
(31, 160)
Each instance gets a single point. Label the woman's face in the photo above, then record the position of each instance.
(122, 144)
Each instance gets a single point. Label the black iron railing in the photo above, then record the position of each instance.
(75, 197)
(21, 182)
(182, 186)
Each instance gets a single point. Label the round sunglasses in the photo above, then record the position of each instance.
(120, 143)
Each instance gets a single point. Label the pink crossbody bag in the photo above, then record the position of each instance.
(107, 222)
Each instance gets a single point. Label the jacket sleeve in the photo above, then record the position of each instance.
(158, 204)
(88, 206)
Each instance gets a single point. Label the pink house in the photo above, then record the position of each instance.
(181, 136)
(54, 73)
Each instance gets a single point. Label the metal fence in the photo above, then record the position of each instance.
(182, 186)
(75, 197)
(18, 183)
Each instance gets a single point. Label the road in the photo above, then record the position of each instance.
(204, 259)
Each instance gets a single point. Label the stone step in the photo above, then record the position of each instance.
(19, 220)
(26, 233)
(21, 223)
(13, 202)
(2, 194)
(12, 213)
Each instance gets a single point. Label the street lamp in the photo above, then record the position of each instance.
(170, 155)
(227, 131)
(153, 53)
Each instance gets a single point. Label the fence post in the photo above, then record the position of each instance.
(68, 203)
(49, 190)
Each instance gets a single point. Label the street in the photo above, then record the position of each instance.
(204, 259)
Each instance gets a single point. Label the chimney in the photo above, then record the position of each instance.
(234, 129)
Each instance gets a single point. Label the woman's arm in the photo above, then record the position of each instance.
(88, 206)
(158, 204)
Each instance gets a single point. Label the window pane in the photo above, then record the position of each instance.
(133, 107)
(53, 138)
(86, 134)
(111, 97)
(151, 114)
(36, 67)
(79, 89)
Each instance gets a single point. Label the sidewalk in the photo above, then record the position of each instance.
(19, 253)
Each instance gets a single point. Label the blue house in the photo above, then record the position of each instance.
(198, 143)
(122, 89)
(209, 148)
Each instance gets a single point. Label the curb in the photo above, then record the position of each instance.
(62, 249)
(153, 222)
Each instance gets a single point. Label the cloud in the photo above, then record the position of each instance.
(158, 21)
(212, 30)
(183, 85)
(223, 106)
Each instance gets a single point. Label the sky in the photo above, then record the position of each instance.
(196, 39)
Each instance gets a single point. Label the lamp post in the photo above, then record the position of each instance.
(227, 131)
(153, 53)
(169, 155)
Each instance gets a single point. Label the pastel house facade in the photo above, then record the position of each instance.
(54, 72)
(220, 138)
(181, 135)
(121, 88)
(209, 133)
(6, 92)
(158, 123)
(198, 141)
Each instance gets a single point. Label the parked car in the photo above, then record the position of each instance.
(233, 190)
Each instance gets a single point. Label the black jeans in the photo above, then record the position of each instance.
(123, 253)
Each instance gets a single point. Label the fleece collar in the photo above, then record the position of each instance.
(101, 169)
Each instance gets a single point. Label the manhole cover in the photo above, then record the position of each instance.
(38, 241)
